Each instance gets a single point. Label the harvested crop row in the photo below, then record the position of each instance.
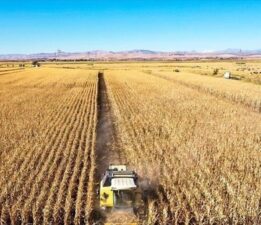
(203, 152)
(48, 175)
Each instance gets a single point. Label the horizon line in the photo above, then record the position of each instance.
(132, 50)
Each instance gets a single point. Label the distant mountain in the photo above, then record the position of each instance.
(240, 52)
(138, 54)
(141, 51)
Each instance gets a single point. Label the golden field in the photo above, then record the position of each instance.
(48, 120)
(193, 137)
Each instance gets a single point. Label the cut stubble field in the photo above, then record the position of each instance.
(194, 140)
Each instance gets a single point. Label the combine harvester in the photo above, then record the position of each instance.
(121, 197)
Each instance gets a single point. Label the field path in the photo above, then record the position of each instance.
(105, 149)
(105, 140)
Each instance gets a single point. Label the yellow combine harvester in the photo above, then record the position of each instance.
(121, 196)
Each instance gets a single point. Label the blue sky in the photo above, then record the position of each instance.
(45, 26)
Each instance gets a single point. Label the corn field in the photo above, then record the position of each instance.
(47, 149)
(202, 153)
(194, 139)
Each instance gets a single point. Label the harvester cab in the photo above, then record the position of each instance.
(119, 190)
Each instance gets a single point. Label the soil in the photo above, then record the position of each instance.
(106, 154)
(106, 150)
